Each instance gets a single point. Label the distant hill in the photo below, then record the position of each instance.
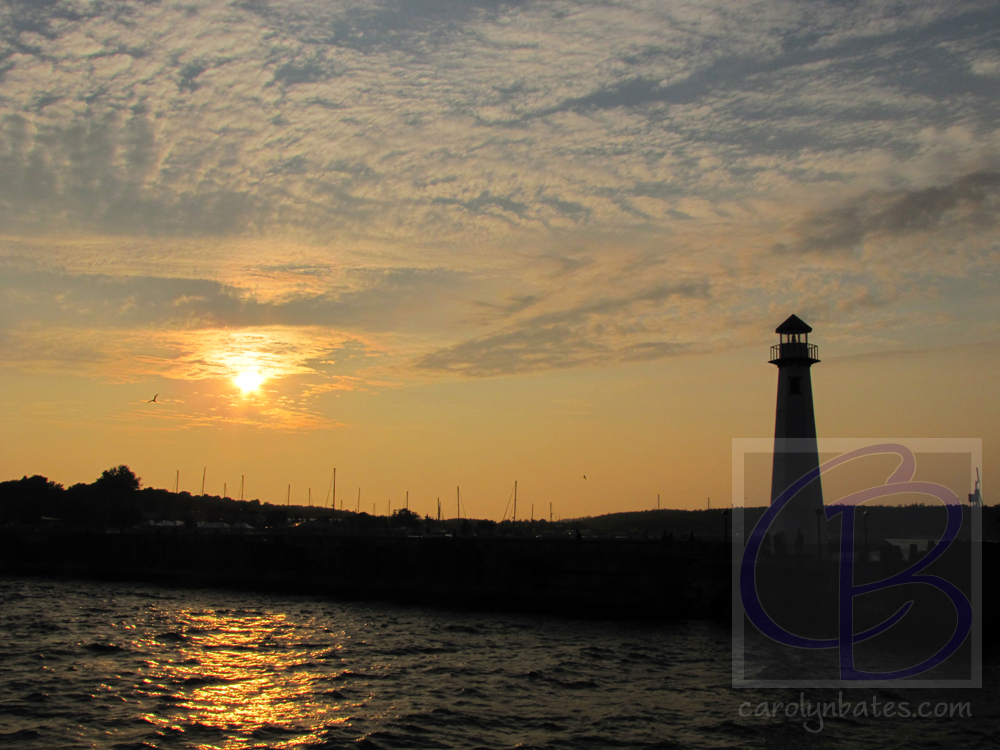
(704, 524)
(884, 522)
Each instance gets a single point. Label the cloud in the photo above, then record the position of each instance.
(598, 332)
(367, 299)
(103, 301)
(485, 188)
(972, 197)
(479, 119)
(972, 200)
(512, 305)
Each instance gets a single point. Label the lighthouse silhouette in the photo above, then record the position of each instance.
(795, 449)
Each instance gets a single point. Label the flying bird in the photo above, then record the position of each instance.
(584, 476)
(154, 401)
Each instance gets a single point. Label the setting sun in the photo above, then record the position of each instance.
(249, 381)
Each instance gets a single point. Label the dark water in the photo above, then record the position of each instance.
(94, 665)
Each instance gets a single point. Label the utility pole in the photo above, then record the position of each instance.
(333, 505)
(225, 493)
(458, 502)
(203, 471)
(407, 499)
(439, 509)
(550, 512)
(288, 497)
(657, 500)
(242, 477)
(515, 500)
(177, 482)
(310, 497)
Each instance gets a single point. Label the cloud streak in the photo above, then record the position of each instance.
(972, 200)
(599, 332)
(370, 300)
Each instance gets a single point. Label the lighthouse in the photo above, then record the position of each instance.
(795, 448)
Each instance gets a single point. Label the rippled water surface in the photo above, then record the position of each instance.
(96, 665)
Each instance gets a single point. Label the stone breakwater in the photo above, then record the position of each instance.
(606, 578)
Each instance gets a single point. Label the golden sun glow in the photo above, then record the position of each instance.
(249, 380)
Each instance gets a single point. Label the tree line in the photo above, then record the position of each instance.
(117, 499)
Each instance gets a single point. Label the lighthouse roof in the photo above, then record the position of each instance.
(794, 324)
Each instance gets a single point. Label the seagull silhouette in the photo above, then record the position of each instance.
(154, 401)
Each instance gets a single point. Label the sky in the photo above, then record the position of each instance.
(457, 244)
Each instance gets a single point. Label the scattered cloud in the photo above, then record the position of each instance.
(391, 119)
(480, 188)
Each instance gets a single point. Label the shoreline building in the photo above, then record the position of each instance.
(795, 448)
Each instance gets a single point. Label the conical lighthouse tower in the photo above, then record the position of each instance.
(795, 448)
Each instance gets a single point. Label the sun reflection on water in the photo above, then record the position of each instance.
(249, 671)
